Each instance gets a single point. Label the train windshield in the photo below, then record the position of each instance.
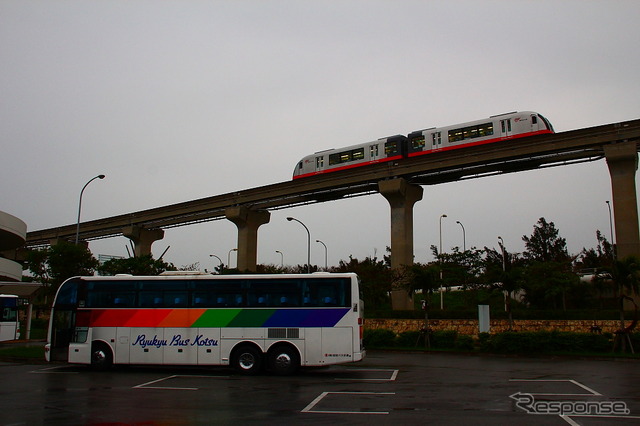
(547, 123)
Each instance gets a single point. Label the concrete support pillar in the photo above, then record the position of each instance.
(248, 221)
(142, 238)
(622, 159)
(401, 196)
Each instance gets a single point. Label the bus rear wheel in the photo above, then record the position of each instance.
(247, 360)
(283, 360)
(101, 356)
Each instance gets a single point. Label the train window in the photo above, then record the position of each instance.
(534, 119)
(334, 159)
(373, 151)
(471, 132)
(436, 138)
(346, 156)
(391, 148)
(319, 162)
(417, 143)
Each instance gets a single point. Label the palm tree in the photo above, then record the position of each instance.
(624, 275)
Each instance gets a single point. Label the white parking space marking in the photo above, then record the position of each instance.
(586, 388)
(391, 378)
(50, 370)
(148, 385)
(309, 408)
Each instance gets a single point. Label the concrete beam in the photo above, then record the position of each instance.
(622, 160)
(142, 238)
(401, 196)
(248, 221)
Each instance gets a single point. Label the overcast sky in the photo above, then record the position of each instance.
(180, 100)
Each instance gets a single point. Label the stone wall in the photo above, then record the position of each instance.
(470, 327)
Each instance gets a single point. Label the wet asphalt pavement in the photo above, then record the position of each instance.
(386, 388)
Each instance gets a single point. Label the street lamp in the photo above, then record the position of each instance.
(464, 236)
(325, 253)
(281, 258)
(219, 260)
(610, 221)
(80, 204)
(308, 243)
(229, 257)
(440, 253)
(504, 255)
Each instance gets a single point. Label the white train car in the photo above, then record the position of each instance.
(493, 129)
(384, 149)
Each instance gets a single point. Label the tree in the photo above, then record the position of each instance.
(600, 257)
(549, 267)
(503, 272)
(141, 265)
(54, 264)
(624, 276)
(375, 278)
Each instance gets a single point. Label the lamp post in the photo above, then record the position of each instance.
(325, 253)
(308, 243)
(281, 258)
(80, 205)
(440, 254)
(229, 257)
(219, 260)
(504, 256)
(464, 236)
(507, 296)
(610, 222)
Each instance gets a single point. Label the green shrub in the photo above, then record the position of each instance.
(378, 338)
(410, 339)
(445, 339)
(544, 342)
(464, 343)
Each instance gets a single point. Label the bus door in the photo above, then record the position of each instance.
(505, 128)
(63, 321)
(62, 331)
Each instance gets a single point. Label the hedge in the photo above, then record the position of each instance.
(541, 342)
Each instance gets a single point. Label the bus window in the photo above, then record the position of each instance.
(328, 292)
(106, 294)
(275, 293)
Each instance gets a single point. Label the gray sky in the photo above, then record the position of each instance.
(181, 100)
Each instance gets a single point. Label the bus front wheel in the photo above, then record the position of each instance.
(101, 356)
(247, 360)
(283, 360)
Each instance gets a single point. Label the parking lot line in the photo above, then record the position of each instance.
(394, 375)
(588, 389)
(49, 370)
(147, 385)
(309, 408)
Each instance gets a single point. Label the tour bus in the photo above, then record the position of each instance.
(9, 325)
(280, 321)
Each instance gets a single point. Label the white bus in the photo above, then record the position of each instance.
(280, 322)
(9, 325)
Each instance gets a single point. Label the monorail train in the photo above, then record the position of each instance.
(493, 129)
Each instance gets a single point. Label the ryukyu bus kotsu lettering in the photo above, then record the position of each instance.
(177, 340)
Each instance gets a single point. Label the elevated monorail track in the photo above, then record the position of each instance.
(503, 157)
